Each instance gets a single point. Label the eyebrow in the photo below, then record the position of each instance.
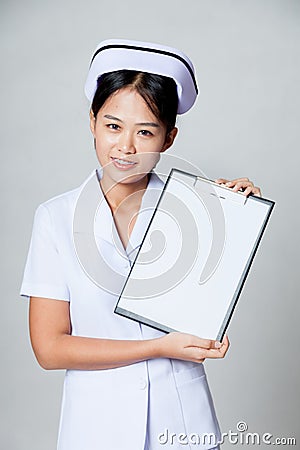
(143, 124)
(108, 116)
(148, 124)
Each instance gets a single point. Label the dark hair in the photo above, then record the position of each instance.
(159, 92)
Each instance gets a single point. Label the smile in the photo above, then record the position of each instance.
(123, 162)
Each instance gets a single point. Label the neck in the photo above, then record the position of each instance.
(116, 193)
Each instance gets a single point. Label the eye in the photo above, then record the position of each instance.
(113, 126)
(145, 133)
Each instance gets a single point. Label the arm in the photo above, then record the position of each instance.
(56, 348)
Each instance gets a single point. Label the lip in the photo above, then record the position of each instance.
(123, 166)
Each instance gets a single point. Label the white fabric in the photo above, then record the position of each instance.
(114, 54)
(122, 407)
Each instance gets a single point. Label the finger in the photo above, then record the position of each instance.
(252, 190)
(236, 180)
(257, 191)
(218, 353)
(202, 343)
(242, 185)
(196, 341)
(248, 191)
(225, 347)
(238, 188)
(226, 340)
(239, 182)
(191, 340)
(213, 354)
(221, 181)
(226, 343)
(195, 354)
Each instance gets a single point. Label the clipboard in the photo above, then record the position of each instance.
(195, 257)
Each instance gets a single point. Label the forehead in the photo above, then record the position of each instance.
(128, 101)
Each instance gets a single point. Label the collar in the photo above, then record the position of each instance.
(93, 221)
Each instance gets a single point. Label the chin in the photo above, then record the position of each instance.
(127, 177)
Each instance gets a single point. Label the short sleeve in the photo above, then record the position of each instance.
(44, 274)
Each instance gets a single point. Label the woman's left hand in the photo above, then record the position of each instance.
(241, 183)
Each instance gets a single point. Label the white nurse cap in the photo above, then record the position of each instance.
(114, 54)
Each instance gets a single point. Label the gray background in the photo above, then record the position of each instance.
(245, 123)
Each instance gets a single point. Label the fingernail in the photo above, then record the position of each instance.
(218, 344)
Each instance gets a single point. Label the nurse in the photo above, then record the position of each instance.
(127, 386)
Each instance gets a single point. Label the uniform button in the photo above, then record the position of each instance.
(143, 384)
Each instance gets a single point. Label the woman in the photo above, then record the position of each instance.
(127, 386)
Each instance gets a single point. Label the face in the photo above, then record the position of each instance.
(129, 138)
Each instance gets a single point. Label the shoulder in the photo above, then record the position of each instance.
(65, 202)
(58, 212)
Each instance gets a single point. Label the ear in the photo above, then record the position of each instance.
(169, 139)
(92, 122)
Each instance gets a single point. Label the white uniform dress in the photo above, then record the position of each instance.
(130, 408)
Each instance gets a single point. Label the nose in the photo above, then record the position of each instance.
(126, 143)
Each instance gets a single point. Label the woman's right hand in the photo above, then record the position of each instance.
(187, 347)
